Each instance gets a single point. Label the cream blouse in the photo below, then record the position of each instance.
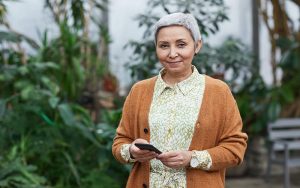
(173, 114)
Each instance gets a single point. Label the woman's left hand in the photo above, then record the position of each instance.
(176, 159)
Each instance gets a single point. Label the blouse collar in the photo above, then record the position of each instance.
(184, 86)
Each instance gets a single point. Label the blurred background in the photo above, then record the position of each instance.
(66, 67)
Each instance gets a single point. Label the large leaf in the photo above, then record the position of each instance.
(16, 38)
(70, 119)
(2, 108)
(73, 168)
(67, 115)
(274, 110)
(9, 37)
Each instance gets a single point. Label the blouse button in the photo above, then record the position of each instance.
(146, 131)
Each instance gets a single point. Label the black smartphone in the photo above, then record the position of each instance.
(147, 147)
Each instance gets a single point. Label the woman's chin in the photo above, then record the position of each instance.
(173, 66)
(173, 69)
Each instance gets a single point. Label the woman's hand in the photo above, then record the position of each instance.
(141, 155)
(176, 159)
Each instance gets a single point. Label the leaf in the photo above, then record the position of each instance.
(26, 92)
(53, 102)
(46, 118)
(17, 38)
(287, 93)
(2, 108)
(50, 84)
(67, 114)
(46, 65)
(23, 70)
(73, 168)
(9, 37)
(274, 110)
(69, 119)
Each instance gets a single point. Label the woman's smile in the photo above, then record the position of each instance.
(175, 50)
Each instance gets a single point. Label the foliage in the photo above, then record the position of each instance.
(55, 137)
(284, 38)
(290, 83)
(14, 172)
(232, 61)
(47, 138)
(209, 15)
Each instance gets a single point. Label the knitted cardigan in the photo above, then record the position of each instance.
(218, 130)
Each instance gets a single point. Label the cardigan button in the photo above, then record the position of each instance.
(146, 131)
(144, 185)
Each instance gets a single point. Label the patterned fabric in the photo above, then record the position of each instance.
(172, 117)
(218, 130)
(126, 154)
(204, 159)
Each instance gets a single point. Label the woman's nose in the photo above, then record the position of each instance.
(173, 53)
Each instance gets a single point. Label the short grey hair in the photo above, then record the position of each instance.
(186, 20)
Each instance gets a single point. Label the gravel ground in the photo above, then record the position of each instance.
(276, 181)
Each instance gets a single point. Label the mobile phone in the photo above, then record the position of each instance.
(147, 147)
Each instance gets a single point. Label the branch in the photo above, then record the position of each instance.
(164, 7)
(280, 20)
(297, 2)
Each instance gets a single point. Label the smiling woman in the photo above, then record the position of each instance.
(191, 118)
(175, 50)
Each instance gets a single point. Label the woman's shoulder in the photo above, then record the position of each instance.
(215, 84)
(144, 84)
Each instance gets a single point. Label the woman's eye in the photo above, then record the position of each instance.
(163, 46)
(181, 45)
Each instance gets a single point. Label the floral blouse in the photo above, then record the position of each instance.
(173, 114)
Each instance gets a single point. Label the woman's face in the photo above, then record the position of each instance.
(175, 49)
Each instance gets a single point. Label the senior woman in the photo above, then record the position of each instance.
(192, 118)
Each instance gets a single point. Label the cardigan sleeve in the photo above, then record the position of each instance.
(123, 132)
(233, 142)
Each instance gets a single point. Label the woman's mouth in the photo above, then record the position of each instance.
(173, 62)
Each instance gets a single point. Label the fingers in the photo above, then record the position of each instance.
(141, 155)
(175, 159)
(147, 157)
(168, 155)
(175, 165)
(144, 155)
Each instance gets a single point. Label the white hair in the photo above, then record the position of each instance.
(186, 20)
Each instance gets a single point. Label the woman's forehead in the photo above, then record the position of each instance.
(174, 32)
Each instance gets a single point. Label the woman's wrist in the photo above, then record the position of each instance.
(131, 156)
(190, 153)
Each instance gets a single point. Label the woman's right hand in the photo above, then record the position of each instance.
(141, 155)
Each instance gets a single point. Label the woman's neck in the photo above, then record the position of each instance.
(172, 79)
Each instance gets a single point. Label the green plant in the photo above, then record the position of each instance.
(61, 140)
(58, 143)
(144, 58)
(284, 38)
(15, 172)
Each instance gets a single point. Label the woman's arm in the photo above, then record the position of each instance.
(123, 147)
(123, 132)
(233, 142)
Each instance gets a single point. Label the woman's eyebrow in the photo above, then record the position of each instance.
(178, 40)
(162, 41)
(181, 40)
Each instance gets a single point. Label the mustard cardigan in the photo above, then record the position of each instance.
(218, 130)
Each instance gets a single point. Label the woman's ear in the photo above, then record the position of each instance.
(198, 46)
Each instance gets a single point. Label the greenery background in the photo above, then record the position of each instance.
(59, 107)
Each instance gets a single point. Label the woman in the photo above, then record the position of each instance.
(192, 118)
